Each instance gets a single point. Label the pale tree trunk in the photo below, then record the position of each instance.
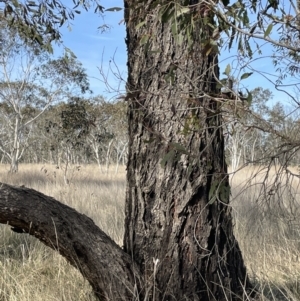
(108, 154)
(235, 150)
(95, 147)
(96, 150)
(14, 155)
(178, 222)
(120, 155)
(253, 150)
(14, 164)
(66, 166)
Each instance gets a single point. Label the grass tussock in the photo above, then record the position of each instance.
(267, 226)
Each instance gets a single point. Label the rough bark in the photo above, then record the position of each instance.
(101, 261)
(178, 222)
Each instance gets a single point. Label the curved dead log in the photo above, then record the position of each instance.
(75, 236)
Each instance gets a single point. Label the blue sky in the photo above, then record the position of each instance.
(95, 50)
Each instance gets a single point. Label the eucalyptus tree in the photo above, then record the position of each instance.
(245, 143)
(81, 130)
(103, 132)
(30, 80)
(65, 130)
(178, 242)
(109, 136)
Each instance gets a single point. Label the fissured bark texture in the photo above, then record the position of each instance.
(178, 224)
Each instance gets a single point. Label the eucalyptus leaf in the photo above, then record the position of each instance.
(227, 70)
(268, 30)
(144, 39)
(182, 10)
(168, 158)
(140, 25)
(249, 97)
(212, 195)
(179, 147)
(114, 9)
(246, 75)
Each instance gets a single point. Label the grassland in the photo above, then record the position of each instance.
(267, 226)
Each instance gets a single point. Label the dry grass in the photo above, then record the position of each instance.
(31, 271)
(267, 228)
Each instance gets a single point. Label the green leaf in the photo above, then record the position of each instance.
(39, 39)
(245, 18)
(249, 98)
(144, 39)
(246, 75)
(179, 147)
(212, 195)
(241, 46)
(227, 70)
(179, 39)
(274, 4)
(167, 14)
(168, 158)
(268, 30)
(182, 10)
(253, 5)
(207, 49)
(150, 140)
(140, 25)
(174, 29)
(154, 51)
(70, 52)
(114, 9)
(225, 2)
(224, 192)
(222, 83)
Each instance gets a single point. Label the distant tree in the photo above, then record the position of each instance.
(66, 128)
(109, 137)
(102, 134)
(31, 80)
(90, 126)
(244, 140)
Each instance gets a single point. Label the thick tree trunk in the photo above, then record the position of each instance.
(178, 226)
(101, 261)
(178, 222)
